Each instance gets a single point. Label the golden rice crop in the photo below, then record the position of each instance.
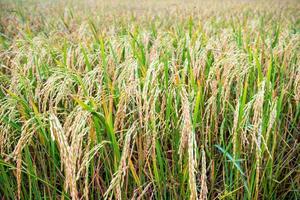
(150, 99)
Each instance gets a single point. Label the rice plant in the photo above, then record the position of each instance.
(149, 99)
